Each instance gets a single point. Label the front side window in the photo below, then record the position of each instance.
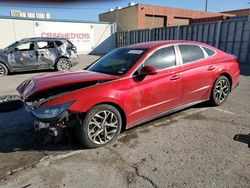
(118, 61)
(190, 53)
(162, 58)
(25, 46)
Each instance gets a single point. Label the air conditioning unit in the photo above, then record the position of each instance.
(16, 13)
(31, 15)
(47, 15)
(40, 15)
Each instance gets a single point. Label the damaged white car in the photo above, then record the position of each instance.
(38, 54)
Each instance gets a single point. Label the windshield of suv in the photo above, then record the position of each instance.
(10, 46)
(118, 61)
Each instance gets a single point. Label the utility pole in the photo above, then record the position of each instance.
(206, 6)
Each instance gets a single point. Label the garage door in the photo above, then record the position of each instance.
(181, 21)
(152, 21)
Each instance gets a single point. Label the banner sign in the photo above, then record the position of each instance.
(80, 34)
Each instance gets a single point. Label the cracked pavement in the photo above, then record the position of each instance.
(190, 148)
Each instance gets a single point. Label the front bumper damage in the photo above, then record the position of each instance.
(57, 129)
(54, 121)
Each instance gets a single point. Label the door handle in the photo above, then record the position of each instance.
(175, 77)
(211, 68)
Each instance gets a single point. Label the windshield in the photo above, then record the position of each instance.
(13, 44)
(118, 61)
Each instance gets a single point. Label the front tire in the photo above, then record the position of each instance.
(63, 64)
(3, 70)
(101, 126)
(220, 91)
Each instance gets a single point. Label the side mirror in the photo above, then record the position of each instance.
(148, 70)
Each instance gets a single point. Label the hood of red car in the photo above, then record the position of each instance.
(57, 79)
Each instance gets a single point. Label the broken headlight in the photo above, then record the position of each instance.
(51, 112)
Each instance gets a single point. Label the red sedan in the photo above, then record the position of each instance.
(129, 86)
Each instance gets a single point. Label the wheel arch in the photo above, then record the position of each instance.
(59, 57)
(6, 65)
(228, 76)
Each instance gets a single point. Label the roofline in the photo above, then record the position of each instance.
(53, 20)
(142, 4)
(120, 9)
(181, 8)
(235, 10)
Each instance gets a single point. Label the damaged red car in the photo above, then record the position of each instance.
(129, 86)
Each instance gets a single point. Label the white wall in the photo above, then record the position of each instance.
(11, 30)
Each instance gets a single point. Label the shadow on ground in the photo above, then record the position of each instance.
(21, 146)
(16, 134)
(245, 69)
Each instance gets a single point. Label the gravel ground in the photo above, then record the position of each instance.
(191, 148)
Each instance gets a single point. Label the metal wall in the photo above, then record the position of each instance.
(232, 36)
(13, 29)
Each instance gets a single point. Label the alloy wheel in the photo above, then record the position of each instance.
(221, 90)
(63, 65)
(102, 127)
(2, 71)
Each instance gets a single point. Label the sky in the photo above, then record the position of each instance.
(89, 10)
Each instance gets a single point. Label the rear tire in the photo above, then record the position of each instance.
(63, 64)
(101, 126)
(220, 91)
(3, 70)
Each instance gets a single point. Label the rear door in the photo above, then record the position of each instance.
(47, 53)
(198, 73)
(160, 92)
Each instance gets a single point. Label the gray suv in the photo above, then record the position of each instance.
(38, 54)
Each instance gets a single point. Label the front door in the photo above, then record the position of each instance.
(24, 56)
(157, 93)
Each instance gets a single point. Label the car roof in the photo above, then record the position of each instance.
(154, 44)
(40, 38)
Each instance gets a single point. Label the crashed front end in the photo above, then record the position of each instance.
(39, 94)
(54, 120)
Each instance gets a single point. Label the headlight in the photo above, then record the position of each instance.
(51, 112)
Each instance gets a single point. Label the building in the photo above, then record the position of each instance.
(141, 16)
(239, 12)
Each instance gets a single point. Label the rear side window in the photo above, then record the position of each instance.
(162, 58)
(190, 53)
(58, 43)
(45, 44)
(209, 51)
